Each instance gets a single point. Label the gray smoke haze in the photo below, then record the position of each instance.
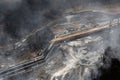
(10, 4)
(19, 18)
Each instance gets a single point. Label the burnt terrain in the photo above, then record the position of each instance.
(28, 29)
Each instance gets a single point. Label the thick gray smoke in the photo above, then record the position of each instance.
(23, 31)
(10, 4)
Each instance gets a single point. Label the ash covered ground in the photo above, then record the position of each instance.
(27, 27)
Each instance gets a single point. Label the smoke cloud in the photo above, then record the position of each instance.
(25, 29)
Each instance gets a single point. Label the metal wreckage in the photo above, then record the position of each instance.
(70, 48)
